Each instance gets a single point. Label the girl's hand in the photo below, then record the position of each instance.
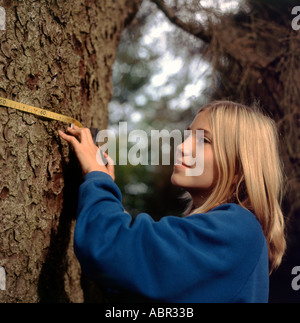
(87, 153)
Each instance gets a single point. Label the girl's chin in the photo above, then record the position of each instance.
(175, 180)
(180, 181)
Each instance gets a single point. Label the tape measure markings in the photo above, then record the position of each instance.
(38, 111)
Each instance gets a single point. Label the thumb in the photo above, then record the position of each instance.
(100, 157)
(104, 160)
(110, 166)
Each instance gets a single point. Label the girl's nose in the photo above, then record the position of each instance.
(185, 149)
(187, 146)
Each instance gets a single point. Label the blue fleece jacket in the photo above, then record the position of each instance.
(218, 256)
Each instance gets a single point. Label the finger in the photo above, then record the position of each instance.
(74, 131)
(77, 132)
(89, 136)
(100, 157)
(109, 159)
(70, 139)
(110, 166)
(73, 126)
(84, 134)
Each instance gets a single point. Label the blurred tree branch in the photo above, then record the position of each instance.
(198, 31)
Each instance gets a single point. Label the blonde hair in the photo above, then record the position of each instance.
(245, 145)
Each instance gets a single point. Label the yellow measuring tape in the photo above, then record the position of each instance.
(38, 111)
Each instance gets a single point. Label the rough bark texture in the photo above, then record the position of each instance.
(57, 55)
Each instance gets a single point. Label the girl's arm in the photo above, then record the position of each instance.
(199, 258)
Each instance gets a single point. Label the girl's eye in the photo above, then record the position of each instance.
(203, 140)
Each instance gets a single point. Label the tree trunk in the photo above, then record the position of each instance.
(56, 55)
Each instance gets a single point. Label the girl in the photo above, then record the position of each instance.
(231, 237)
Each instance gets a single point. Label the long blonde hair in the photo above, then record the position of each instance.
(245, 145)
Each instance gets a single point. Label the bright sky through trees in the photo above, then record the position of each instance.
(169, 69)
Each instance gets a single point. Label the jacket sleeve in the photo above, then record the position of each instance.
(173, 259)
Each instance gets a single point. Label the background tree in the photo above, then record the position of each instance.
(57, 55)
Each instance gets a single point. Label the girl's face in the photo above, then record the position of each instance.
(197, 184)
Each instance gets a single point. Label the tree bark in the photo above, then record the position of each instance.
(56, 55)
